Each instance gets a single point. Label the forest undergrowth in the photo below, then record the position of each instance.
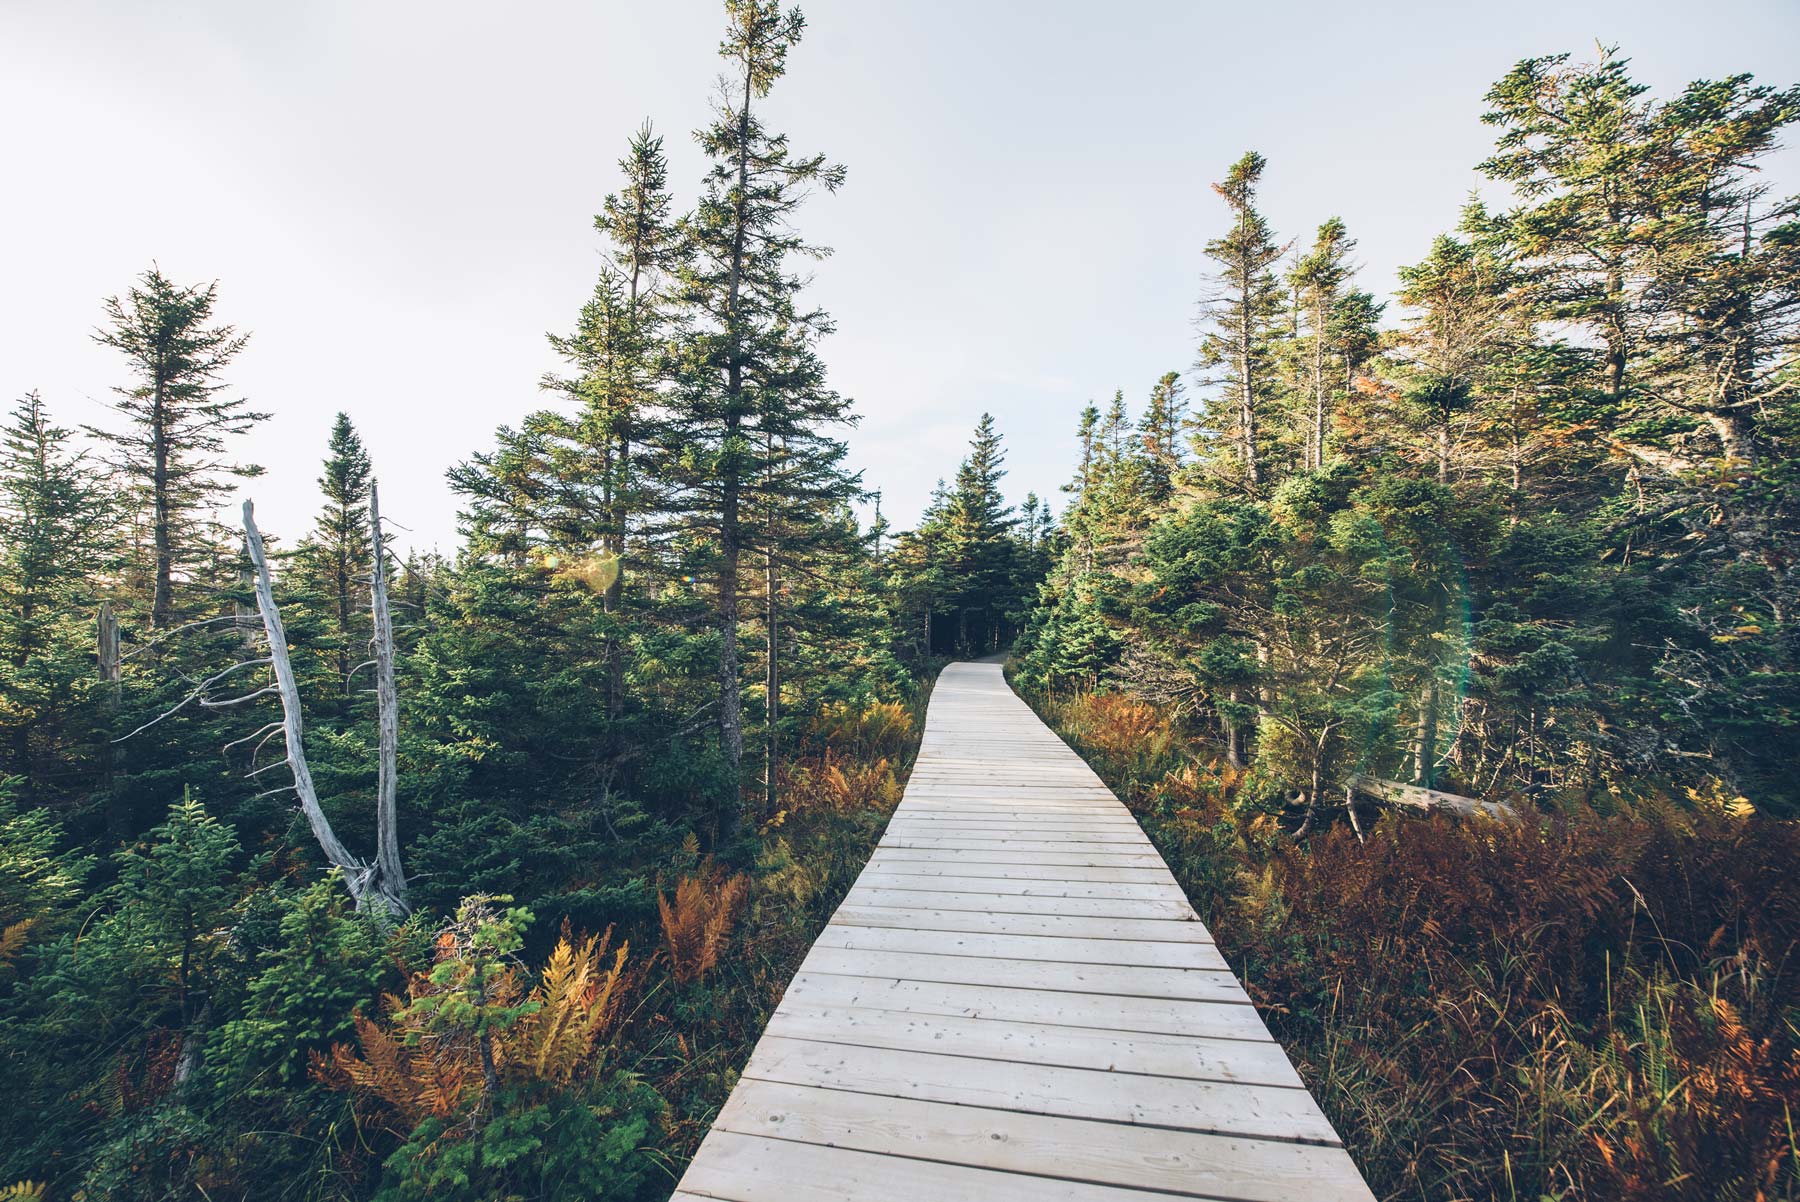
(1600, 1002)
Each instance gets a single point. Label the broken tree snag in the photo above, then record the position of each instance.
(367, 888)
(1396, 793)
(387, 705)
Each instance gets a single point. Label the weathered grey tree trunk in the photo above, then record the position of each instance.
(1425, 736)
(1234, 739)
(387, 709)
(368, 885)
(772, 620)
(111, 666)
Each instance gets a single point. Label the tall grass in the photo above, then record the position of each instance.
(1585, 1006)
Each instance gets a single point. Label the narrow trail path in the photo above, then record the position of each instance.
(1016, 1002)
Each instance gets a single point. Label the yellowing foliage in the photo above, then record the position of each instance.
(879, 728)
(836, 784)
(12, 942)
(420, 1070)
(697, 922)
(1120, 726)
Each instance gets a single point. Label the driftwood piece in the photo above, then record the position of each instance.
(1420, 798)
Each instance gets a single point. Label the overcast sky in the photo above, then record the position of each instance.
(396, 197)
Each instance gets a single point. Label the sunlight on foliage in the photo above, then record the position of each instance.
(697, 922)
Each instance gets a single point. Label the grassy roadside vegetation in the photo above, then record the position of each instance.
(1586, 1006)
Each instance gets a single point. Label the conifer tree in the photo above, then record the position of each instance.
(1573, 144)
(1460, 298)
(1318, 281)
(1238, 314)
(339, 549)
(614, 356)
(172, 451)
(978, 544)
(53, 544)
(748, 386)
(1161, 428)
(1087, 475)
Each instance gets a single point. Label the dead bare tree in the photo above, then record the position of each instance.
(378, 887)
(387, 710)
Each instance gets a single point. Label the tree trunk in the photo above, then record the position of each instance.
(731, 715)
(1234, 739)
(772, 669)
(1425, 736)
(111, 677)
(162, 600)
(364, 881)
(1316, 451)
(389, 877)
(1736, 432)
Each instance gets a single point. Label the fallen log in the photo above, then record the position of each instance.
(1421, 798)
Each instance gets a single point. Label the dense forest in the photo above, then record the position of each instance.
(328, 871)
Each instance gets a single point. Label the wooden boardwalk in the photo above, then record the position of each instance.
(1015, 1002)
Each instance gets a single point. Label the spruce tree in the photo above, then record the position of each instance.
(1318, 280)
(978, 544)
(339, 549)
(172, 451)
(54, 545)
(1160, 429)
(1238, 316)
(748, 403)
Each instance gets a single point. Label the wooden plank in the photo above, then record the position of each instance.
(1052, 949)
(1257, 1111)
(870, 893)
(1137, 852)
(1156, 928)
(917, 864)
(1252, 1062)
(748, 1168)
(1050, 1007)
(1087, 859)
(912, 826)
(1013, 820)
(1025, 886)
(1188, 984)
(1003, 841)
(1179, 1162)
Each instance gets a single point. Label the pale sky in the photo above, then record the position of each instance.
(396, 197)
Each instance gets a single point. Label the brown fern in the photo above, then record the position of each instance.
(698, 922)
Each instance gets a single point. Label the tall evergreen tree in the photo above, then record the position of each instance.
(173, 449)
(748, 389)
(1238, 314)
(339, 549)
(614, 355)
(1318, 281)
(54, 536)
(978, 543)
(1160, 429)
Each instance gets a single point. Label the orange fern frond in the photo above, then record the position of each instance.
(697, 923)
